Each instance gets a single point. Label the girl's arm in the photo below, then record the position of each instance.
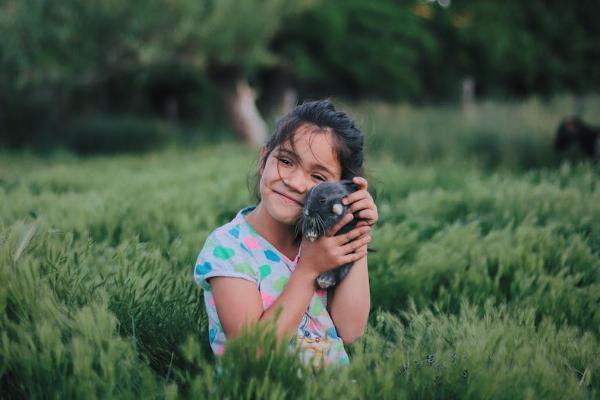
(350, 302)
(238, 303)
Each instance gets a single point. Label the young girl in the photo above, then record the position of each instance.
(255, 265)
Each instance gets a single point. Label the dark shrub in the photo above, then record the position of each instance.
(112, 134)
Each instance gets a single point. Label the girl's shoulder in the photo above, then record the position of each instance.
(233, 232)
(226, 253)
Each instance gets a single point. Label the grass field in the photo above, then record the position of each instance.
(486, 283)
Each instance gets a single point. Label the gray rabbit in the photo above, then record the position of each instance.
(323, 208)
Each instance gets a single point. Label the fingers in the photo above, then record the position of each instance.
(363, 207)
(361, 182)
(361, 192)
(363, 204)
(353, 234)
(356, 255)
(341, 223)
(354, 245)
(368, 215)
(356, 196)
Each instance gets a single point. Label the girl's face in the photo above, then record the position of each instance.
(288, 175)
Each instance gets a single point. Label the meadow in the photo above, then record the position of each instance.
(486, 283)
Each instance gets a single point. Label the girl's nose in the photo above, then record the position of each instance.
(297, 181)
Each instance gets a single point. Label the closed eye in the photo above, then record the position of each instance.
(284, 160)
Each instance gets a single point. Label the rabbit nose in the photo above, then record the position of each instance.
(338, 209)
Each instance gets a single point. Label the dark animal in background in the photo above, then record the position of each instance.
(573, 132)
(323, 208)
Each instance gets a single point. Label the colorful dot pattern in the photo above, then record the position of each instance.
(237, 250)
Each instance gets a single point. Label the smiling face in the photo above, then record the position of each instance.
(291, 171)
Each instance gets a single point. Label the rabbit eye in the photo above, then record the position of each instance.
(322, 200)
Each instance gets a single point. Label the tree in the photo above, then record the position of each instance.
(357, 48)
(72, 43)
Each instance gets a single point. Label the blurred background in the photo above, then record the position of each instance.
(432, 78)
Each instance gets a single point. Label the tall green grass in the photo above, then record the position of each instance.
(486, 283)
(488, 134)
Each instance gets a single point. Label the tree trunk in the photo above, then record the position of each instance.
(243, 114)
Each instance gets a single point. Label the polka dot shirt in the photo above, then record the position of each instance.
(237, 250)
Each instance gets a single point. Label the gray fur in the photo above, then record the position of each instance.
(323, 208)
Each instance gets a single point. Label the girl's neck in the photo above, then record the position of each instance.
(280, 235)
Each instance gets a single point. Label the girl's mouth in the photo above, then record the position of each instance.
(289, 200)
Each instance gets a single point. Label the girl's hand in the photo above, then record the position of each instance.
(362, 202)
(330, 251)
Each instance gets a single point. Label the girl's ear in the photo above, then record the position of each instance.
(261, 156)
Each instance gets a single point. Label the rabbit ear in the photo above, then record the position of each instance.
(351, 186)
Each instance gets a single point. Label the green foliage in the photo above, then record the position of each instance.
(63, 59)
(533, 46)
(357, 48)
(485, 283)
(40, 36)
(421, 51)
(86, 55)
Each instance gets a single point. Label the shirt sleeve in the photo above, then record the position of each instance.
(222, 255)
